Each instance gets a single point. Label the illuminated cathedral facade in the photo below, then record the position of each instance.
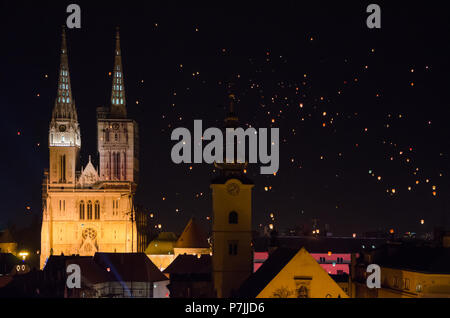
(88, 209)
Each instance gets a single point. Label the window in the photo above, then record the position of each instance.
(115, 207)
(97, 210)
(407, 283)
(116, 161)
(232, 248)
(233, 217)
(89, 210)
(396, 282)
(62, 176)
(81, 210)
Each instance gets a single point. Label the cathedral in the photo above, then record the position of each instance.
(88, 209)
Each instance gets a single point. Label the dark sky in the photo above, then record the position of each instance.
(394, 82)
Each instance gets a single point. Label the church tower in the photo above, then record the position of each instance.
(117, 135)
(84, 212)
(64, 132)
(232, 222)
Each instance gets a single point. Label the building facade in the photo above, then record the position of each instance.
(90, 209)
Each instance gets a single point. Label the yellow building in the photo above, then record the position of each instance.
(85, 211)
(407, 272)
(291, 273)
(397, 283)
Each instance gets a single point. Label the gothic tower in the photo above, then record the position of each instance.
(64, 133)
(232, 222)
(118, 137)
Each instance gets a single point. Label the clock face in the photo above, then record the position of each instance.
(233, 189)
(62, 128)
(115, 126)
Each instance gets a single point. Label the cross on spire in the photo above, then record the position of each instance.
(231, 121)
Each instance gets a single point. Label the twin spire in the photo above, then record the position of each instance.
(118, 102)
(65, 105)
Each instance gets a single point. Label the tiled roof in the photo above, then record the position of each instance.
(269, 269)
(91, 272)
(425, 259)
(190, 264)
(129, 267)
(193, 236)
(161, 245)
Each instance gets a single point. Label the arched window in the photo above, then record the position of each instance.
(97, 210)
(81, 210)
(63, 167)
(89, 210)
(233, 217)
(118, 165)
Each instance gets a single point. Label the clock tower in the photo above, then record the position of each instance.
(64, 132)
(232, 258)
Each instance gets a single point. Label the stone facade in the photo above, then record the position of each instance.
(84, 211)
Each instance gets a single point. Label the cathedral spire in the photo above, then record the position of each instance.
(64, 103)
(118, 102)
(64, 128)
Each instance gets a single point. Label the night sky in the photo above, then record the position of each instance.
(363, 114)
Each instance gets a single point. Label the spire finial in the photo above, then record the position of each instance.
(64, 41)
(231, 120)
(231, 97)
(118, 41)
